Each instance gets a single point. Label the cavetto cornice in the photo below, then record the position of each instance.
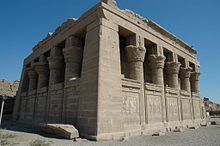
(143, 22)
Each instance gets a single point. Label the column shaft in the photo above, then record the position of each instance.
(73, 59)
(172, 69)
(32, 79)
(136, 57)
(157, 65)
(185, 78)
(55, 65)
(43, 72)
(195, 81)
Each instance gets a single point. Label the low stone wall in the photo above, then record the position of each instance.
(40, 105)
(30, 106)
(55, 103)
(71, 95)
(172, 102)
(131, 104)
(153, 95)
(23, 106)
(186, 105)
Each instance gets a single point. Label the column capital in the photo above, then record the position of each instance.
(55, 62)
(195, 76)
(135, 54)
(41, 68)
(73, 54)
(185, 72)
(156, 61)
(31, 73)
(173, 67)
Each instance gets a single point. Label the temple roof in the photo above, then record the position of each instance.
(153, 25)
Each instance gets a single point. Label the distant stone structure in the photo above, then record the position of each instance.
(111, 73)
(211, 107)
(8, 89)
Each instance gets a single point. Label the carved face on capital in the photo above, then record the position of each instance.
(135, 54)
(156, 61)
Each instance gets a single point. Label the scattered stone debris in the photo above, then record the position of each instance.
(178, 130)
(158, 133)
(125, 138)
(193, 127)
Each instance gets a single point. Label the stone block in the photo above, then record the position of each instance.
(158, 133)
(178, 130)
(61, 130)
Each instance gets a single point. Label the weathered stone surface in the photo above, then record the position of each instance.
(211, 107)
(7, 88)
(111, 73)
(62, 130)
(178, 130)
(158, 134)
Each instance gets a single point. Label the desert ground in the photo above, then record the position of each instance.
(14, 134)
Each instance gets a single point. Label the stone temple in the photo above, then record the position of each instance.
(111, 73)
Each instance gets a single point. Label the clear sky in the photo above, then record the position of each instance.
(25, 22)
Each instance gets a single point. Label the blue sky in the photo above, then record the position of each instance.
(25, 22)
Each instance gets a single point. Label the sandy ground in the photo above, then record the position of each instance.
(12, 134)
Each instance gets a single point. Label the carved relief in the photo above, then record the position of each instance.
(173, 67)
(135, 54)
(172, 109)
(154, 108)
(195, 76)
(186, 109)
(130, 103)
(196, 109)
(156, 61)
(185, 72)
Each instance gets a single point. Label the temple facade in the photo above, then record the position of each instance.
(111, 73)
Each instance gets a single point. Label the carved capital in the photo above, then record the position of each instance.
(32, 74)
(41, 68)
(156, 61)
(185, 72)
(173, 67)
(73, 54)
(195, 76)
(135, 54)
(55, 62)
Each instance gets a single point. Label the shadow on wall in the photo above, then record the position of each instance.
(8, 107)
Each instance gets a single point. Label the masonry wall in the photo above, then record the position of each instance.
(108, 90)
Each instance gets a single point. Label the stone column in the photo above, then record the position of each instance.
(157, 65)
(32, 74)
(55, 64)
(195, 82)
(136, 57)
(185, 76)
(43, 72)
(135, 52)
(73, 59)
(172, 69)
